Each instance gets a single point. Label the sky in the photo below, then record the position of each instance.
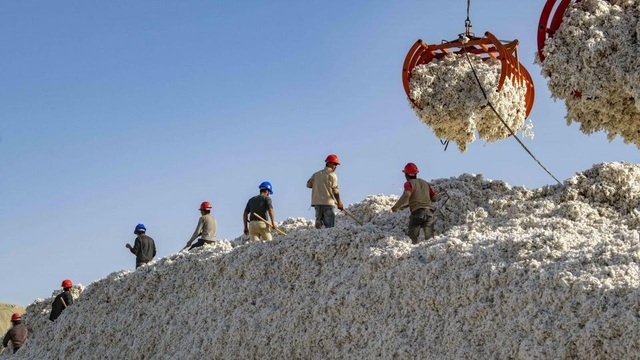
(118, 113)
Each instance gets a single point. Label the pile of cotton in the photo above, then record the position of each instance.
(518, 273)
(592, 63)
(451, 102)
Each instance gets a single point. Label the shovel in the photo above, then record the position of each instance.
(269, 225)
(345, 210)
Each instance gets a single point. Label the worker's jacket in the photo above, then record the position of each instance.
(323, 185)
(144, 248)
(17, 335)
(418, 193)
(60, 303)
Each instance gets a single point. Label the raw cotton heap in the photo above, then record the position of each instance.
(451, 102)
(512, 273)
(595, 52)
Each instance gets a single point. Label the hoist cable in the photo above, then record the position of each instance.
(500, 117)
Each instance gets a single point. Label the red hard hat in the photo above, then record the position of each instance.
(333, 158)
(410, 169)
(66, 283)
(205, 205)
(16, 316)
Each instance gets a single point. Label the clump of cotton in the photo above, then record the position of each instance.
(512, 272)
(592, 64)
(450, 100)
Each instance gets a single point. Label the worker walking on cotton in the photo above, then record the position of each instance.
(62, 301)
(17, 335)
(206, 229)
(419, 196)
(144, 248)
(324, 192)
(261, 205)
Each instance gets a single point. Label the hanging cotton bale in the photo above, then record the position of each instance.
(590, 58)
(444, 93)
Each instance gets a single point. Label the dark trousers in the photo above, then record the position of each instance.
(199, 243)
(420, 219)
(140, 263)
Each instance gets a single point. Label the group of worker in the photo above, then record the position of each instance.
(19, 332)
(418, 195)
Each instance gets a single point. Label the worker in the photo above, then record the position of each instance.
(206, 229)
(144, 248)
(324, 192)
(62, 301)
(262, 205)
(18, 333)
(419, 195)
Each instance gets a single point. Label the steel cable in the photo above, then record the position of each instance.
(500, 117)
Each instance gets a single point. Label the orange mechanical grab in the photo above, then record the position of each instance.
(486, 47)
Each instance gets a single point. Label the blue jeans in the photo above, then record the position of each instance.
(325, 216)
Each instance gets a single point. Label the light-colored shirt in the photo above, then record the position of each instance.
(206, 229)
(322, 184)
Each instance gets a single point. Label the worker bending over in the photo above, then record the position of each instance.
(206, 229)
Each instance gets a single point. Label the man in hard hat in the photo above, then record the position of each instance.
(144, 248)
(419, 196)
(18, 333)
(62, 301)
(206, 229)
(324, 192)
(261, 205)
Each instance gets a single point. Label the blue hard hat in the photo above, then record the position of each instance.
(139, 227)
(266, 185)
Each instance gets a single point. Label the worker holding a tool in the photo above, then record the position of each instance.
(206, 229)
(324, 192)
(17, 335)
(62, 301)
(144, 248)
(257, 208)
(419, 196)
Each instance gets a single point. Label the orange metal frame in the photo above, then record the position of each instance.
(546, 29)
(486, 47)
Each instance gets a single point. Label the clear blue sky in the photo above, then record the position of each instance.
(120, 112)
